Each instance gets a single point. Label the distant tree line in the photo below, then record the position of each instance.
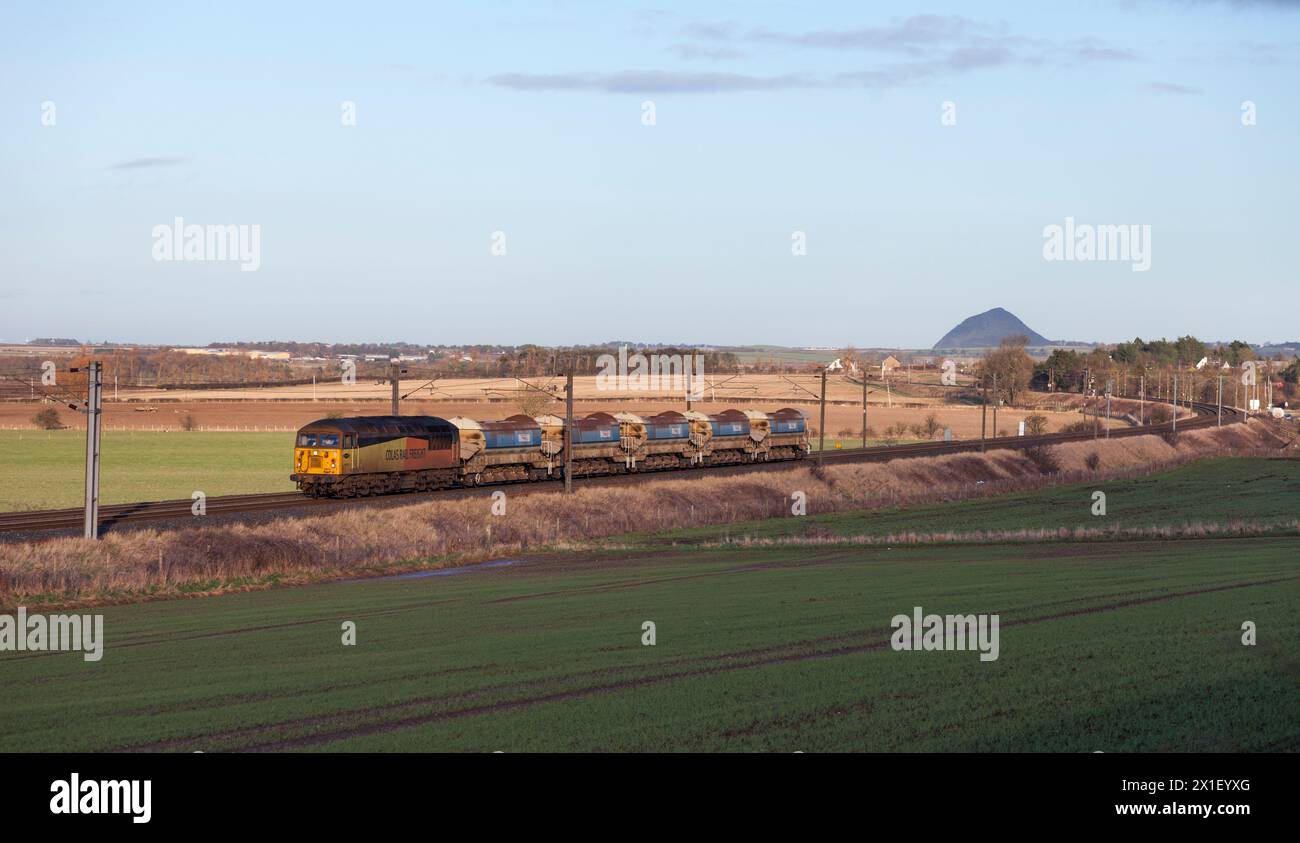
(1005, 372)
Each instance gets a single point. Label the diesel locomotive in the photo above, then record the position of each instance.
(375, 455)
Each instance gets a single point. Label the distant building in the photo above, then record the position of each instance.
(255, 354)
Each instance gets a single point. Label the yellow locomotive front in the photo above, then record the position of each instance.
(371, 455)
(318, 452)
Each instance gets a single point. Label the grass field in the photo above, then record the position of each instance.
(1212, 490)
(1114, 646)
(1103, 646)
(46, 469)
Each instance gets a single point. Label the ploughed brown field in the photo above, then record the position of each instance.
(290, 407)
(263, 415)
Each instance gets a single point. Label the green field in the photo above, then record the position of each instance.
(46, 469)
(1114, 646)
(1104, 646)
(1212, 490)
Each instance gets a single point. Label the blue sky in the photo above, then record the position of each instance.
(526, 118)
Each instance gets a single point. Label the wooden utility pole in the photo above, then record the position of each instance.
(1220, 401)
(1142, 392)
(568, 431)
(821, 424)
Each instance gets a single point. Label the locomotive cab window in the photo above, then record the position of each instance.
(306, 440)
(329, 440)
(349, 440)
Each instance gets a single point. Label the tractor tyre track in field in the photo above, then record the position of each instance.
(198, 636)
(742, 660)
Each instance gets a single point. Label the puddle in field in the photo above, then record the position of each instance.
(443, 572)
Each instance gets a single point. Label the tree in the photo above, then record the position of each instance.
(1190, 350)
(1012, 366)
(533, 401)
(48, 419)
(1238, 352)
(1035, 424)
(1063, 368)
(1291, 378)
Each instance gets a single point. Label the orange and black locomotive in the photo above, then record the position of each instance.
(371, 455)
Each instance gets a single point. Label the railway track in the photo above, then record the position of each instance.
(114, 515)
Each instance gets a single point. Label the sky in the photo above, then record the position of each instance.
(810, 174)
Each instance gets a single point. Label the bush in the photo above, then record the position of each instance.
(189, 422)
(1081, 426)
(1093, 461)
(1044, 459)
(1158, 414)
(48, 419)
(1035, 425)
(931, 426)
(535, 402)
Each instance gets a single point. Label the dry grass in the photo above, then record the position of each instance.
(1194, 530)
(144, 564)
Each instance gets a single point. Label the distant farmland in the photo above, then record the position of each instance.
(46, 469)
